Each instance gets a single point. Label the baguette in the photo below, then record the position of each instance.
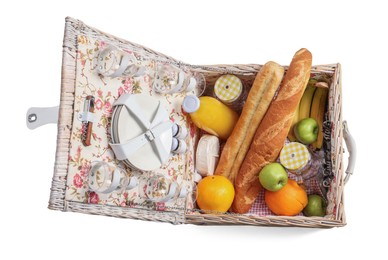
(272, 131)
(260, 96)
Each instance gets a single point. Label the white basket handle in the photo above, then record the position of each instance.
(38, 116)
(352, 150)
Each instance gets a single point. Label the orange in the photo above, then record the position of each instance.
(215, 193)
(288, 201)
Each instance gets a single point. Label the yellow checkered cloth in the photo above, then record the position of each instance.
(228, 88)
(294, 156)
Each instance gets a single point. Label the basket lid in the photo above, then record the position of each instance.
(228, 88)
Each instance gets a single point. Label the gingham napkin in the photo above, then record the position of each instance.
(259, 208)
(311, 182)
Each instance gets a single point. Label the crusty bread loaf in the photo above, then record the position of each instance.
(259, 98)
(272, 131)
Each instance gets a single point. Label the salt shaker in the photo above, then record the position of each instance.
(179, 132)
(178, 146)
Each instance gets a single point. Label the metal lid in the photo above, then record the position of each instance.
(228, 88)
(190, 104)
(294, 156)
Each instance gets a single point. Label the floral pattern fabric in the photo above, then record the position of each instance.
(106, 90)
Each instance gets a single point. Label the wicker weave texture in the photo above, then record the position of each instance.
(57, 201)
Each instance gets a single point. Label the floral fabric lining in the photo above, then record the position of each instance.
(105, 91)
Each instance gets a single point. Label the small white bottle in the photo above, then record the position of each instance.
(178, 146)
(179, 132)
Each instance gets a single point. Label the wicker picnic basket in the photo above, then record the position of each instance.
(75, 28)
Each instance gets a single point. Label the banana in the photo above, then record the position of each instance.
(304, 108)
(306, 102)
(291, 136)
(317, 112)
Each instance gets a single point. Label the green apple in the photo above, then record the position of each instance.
(316, 206)
(306, 130)
(273, 177)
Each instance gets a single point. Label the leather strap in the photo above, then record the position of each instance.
(123, 66)
(86, 117)
(152, 133)
(115, 181)
(179, 85)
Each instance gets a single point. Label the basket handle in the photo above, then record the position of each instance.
(352, 150)
(38, 116)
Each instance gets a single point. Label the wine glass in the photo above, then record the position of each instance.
(170, 79)
(114, 62)
(106, 178)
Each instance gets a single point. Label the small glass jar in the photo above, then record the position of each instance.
(230, 90)
(296, 158)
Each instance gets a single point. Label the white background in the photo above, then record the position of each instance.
(198, 32)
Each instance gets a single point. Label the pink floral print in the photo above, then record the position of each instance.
(77, 181)
(93, 198)
(105, 92)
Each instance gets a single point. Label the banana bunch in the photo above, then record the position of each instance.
(312, 104)
(304, 108)
(317, 111)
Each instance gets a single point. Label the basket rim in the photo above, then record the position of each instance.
(73, 28)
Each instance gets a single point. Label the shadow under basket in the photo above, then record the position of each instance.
(333, 135)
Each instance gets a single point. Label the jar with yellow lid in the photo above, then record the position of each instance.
(296, 158)
(230, 90)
